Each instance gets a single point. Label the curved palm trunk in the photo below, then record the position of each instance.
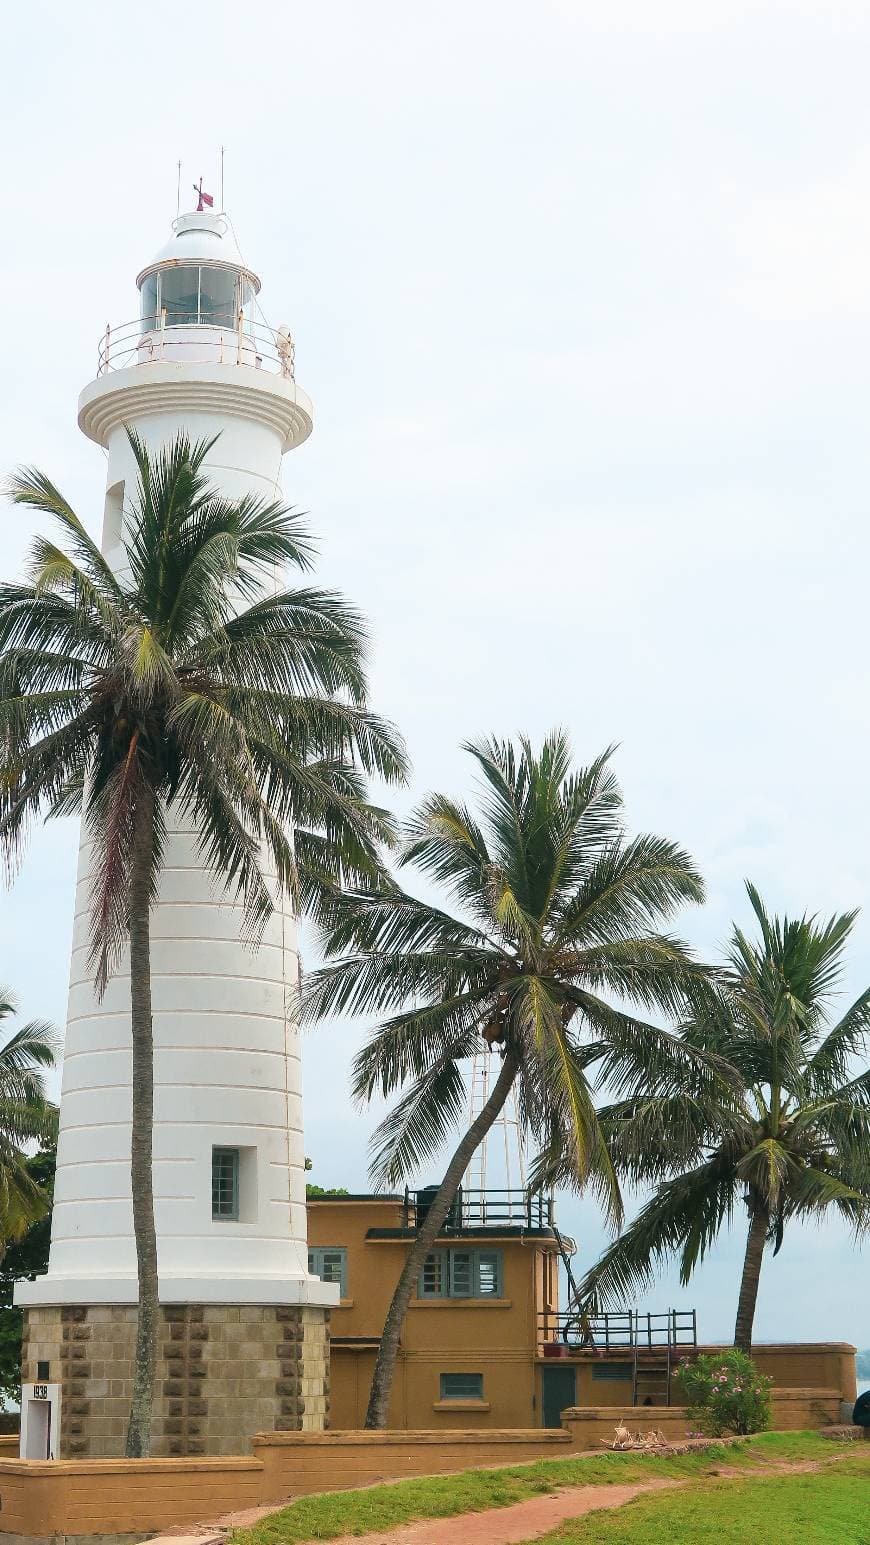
(382, 1379)
(755, 1242)
(139, 1430)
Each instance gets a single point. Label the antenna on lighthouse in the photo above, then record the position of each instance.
(223, 206)
(178, 193)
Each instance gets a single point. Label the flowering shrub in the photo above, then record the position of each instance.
(726, 1393)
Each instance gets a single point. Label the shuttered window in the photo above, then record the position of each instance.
(461, 1274)
(329, 1263)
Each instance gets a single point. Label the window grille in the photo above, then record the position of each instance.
(225, 1184)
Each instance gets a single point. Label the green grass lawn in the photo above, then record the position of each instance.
(827, 1507)
(443, 1496)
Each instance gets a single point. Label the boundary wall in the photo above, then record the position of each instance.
(115, 1501)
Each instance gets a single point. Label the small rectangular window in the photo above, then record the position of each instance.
(433, 1276)
(611, 1372)
(329, 1263)
(225, 1184)
(462, 1386)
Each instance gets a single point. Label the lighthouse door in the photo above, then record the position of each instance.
(40, 1409)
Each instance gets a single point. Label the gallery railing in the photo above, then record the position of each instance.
(182, 340)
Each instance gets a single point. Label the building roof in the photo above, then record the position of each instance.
(494, 1232)
(357, 1196)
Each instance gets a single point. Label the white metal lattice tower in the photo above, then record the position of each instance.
(498, 1166)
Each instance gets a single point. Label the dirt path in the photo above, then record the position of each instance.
(529, 1520)
(509, 1525)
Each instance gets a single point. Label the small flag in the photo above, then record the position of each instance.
(205, 199)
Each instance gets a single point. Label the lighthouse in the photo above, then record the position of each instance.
(244, 1326)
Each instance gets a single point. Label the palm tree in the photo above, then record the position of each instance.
(124, 695)
(26, 1116)
(788, 1132)
(554, 917)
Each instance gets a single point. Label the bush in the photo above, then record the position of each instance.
(726, 1393)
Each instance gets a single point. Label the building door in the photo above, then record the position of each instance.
(559, 1381)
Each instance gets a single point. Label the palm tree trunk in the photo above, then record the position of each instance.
(382, 1379)
(139, 1430)
(755, 1242)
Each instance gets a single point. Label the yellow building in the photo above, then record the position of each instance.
(469, 1354)
(485, 1343)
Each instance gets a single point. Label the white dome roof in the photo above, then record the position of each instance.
(205, 238)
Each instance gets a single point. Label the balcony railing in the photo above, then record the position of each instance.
(623, 1328)
(489, 1209)
(149, 340)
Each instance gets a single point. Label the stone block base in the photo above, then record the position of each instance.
(224, 1373)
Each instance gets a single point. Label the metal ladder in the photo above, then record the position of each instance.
(652, 1367)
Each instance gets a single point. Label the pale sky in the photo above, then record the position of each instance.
(581, 293)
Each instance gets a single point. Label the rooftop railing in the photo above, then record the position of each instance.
(188, 341)
(622, 1328)
(487, 1209)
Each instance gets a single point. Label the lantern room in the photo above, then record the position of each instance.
(198, 279)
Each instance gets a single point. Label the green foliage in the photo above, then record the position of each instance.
(726, 1393)
(26, 1258)
(182, 684)
(377, 1509)
(313, 1191)
(547, 944)
(27, 1117)
(785, 1130)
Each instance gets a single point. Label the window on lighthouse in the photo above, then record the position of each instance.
(191, 296)
(179, 296)
(149, 309)
(225, 1184)
(218, 288)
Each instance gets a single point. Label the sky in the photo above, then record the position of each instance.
(581, 294)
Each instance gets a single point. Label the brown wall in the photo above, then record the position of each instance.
(118, 1496)
(360, 1458)
(821, 1364)
(792, 1410)
(815, 1365)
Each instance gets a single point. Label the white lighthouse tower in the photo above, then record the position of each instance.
(244, 1339)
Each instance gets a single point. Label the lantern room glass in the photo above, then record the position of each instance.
(196, 295)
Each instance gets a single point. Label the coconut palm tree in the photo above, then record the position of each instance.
(26, 1116)
(127, 695)
(547, 955)
(788, 1133)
